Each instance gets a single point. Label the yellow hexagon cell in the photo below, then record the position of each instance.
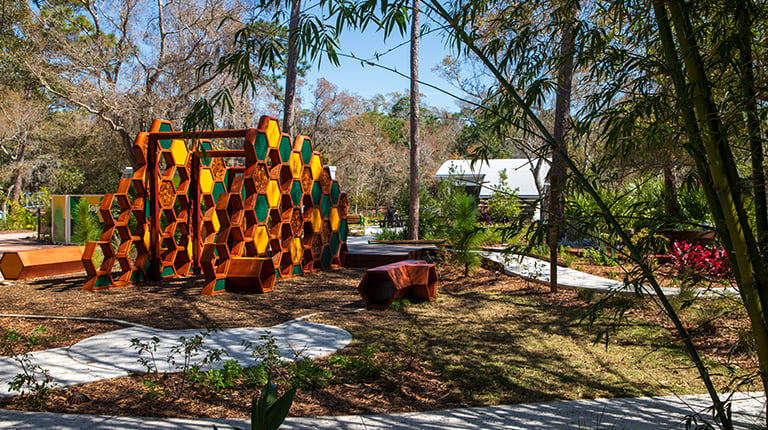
(179, 152)
(316, 165)
(296, 250)
(216, 223)
(273, 134)
(295, 164)
(273, 193)
(334, 218)
(146, 236)
(317, 220)
(261, 239)
(189, 249)
(206, 181)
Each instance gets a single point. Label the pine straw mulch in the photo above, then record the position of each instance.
(406, 383)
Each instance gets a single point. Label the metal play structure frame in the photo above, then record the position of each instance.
(186, 211)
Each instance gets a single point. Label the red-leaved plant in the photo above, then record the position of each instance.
(712, 262)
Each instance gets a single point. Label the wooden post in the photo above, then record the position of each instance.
(152, 200)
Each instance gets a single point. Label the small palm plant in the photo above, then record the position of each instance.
(464, 229)
(87, 227)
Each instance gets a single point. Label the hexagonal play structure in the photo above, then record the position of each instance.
(274, 213)
(415, 279)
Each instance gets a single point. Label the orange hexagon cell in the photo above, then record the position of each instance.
(179, 152)
(296, 165)
(273, 133)
(316, 166)
(273, 193)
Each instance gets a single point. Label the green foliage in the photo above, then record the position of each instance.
(308, 374)
(504, 205)
(598, 257)
(33, 382)
(269, 411)
(188, 348)
(364, 365)
(227, 377)
(18, 217)
(266, 353)
(86, 225)
(392, 234)
(463, 231)
(255, 376)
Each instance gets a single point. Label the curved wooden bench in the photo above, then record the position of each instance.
(415, 279)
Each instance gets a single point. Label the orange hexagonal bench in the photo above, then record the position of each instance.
(250, 275)
(36, 263)
(415, 279)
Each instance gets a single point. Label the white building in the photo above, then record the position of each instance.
(484, 178)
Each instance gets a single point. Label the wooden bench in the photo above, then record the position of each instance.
(354, 219)
(415, 279)
(409, 242)
(38, 263)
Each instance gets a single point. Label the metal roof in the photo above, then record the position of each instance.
(519, 173)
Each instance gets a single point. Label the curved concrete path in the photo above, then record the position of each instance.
(110, 355)
(537, 270)
(647, 413)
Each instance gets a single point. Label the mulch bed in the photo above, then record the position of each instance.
(176, 304)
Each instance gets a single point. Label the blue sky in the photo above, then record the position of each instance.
(367, 81)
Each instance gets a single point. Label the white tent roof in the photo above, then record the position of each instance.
(518, 170)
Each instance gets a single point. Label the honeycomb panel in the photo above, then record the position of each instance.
(282, 205)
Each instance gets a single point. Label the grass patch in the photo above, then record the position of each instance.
(523, 345)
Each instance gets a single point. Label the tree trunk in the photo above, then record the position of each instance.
(127, 143)
(711, 144)
(744, 27)
(291, 68)
(671, 208)
(562, 112)
(413, 209)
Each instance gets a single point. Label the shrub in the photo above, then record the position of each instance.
(504, 205)
(694, 258)
(464, 229)
(86, 225)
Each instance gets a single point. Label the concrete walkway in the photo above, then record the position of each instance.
(649, 413)
(110, 355)
(537, 270)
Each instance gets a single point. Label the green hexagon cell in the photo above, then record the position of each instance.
(262, 208)
(261, 146)
(335, 244)
(325, 206)
(317, 193)
(296, 193)
(325, 258)
(343, 230)
(218, 189)
(205, 145)
(285, 149)
(335, 192)
(167, 272)
(306, 151)
(165, 143)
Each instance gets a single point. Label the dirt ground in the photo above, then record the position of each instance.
(409, 384)
(177, 303)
